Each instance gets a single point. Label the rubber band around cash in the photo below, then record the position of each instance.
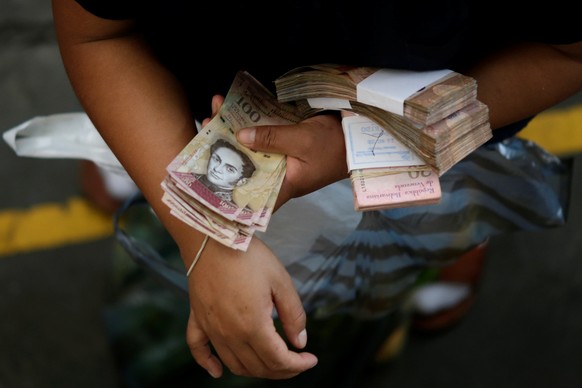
(388, 88)
(197, 256)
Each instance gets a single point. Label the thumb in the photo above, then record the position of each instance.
(268, 138)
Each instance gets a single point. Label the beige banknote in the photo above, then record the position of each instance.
(385, 191)
(246, 207)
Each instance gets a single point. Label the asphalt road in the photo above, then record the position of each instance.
(525, 329)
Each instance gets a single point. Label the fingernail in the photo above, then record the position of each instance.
(246, 136)
(302, 338)
(214, 369)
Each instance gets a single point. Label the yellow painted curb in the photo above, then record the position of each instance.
(51, 225)
(559, 131)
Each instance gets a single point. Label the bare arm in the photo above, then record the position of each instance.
(524, 80)
(141, 111)
(134, 102)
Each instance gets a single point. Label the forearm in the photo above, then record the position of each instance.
(527, 79)
(138, 108)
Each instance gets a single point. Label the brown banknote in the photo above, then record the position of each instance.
(431, 103)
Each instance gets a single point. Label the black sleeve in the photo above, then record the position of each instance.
(555, 23)
(110, 9)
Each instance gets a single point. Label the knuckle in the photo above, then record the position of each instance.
(196, 347)
(276, 365)
(269, 136)
(300, 315)
(194, 341)
(238, 370)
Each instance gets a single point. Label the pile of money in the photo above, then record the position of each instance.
(221, 188)
(392, 188)
(442, 144)
(384, 173)
(436, 114)
(421, 97)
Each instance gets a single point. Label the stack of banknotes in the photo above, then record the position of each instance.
(436, 114)
(204, 189)
(384, 172)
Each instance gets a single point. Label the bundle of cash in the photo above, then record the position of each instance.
(421, 97)
(221, 188)
(384, 173)
(385, 189)
(442, 144)
(435, 114)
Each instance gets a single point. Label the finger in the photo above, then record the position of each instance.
(265, 354)
(200, 349)
(205, 122)
(242, 360)
(279, 361)
(274, 351)
(235, 359)
(241, 355)
(215, 105)
(295, 140)
(282, 139)
(291, 313)
(259, 351)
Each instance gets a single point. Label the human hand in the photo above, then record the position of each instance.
(232, 297)
(215, 104)
(315, 150)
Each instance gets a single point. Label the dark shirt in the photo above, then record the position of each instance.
(206, 42)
